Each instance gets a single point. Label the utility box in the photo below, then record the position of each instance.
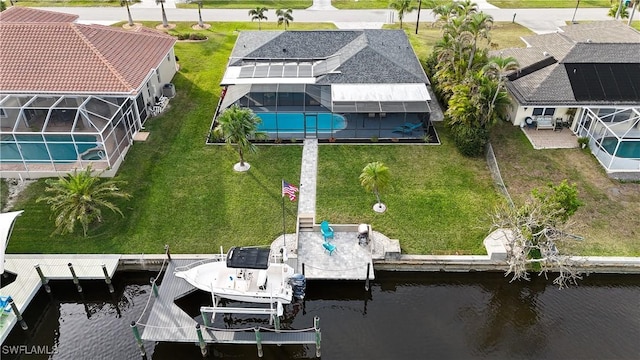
(169, 90)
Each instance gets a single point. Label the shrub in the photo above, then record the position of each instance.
(197, 36)
(470, 141)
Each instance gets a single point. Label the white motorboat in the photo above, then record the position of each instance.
(246, 274)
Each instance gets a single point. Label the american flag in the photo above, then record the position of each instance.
(288, 189)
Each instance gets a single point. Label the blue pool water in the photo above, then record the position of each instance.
(627, 149)
(34, 150)
(301, 122)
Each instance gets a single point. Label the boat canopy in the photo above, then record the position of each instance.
(248, 258)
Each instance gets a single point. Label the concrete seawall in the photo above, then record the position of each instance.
(424, 263)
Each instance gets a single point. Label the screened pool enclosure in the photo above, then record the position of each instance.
(338, 111)
(43, 134)
(614, 137)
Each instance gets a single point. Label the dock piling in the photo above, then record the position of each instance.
(205, 319)
(154, 286)
(43, 279)
(23, 324)
(316, 326)
(203, 345)
(136, 334)
(302, 268)
(75, 277)
(107, 278)
(366, 282)
(166, 250)
(259, 341)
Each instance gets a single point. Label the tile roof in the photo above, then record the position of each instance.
(29, 15)
(67, 57)
(595, 42)
(365, 56)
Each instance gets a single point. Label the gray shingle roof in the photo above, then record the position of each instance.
(608, 42)
(366, 56)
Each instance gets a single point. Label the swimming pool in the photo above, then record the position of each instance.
(301, 122)
(33, 148)
(627, 149)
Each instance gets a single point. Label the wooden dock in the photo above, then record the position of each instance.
(168, 323)
(54, 267)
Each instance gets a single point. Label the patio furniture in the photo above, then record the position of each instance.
(326, 230)
(329, 247)
(407, 128)
(545, 123)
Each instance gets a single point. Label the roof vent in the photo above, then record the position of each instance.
(545, 53)
(588, 40)
(284, 50)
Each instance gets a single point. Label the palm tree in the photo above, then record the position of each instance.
(478, 25)
(258, 14)
(497, 68)
(284, 17)
(402, 7)
(200, 22)
(239, 126)
(619, 10)
(126, 3)
(165, 23)
(79, 198)
(375, 178)
(3, 6)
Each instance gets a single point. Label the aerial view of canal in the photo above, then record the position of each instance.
(403, 316)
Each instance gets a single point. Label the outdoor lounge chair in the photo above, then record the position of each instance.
(407, 128)
(329, 247)
(327, 231)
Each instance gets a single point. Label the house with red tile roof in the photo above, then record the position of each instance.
(74, 94)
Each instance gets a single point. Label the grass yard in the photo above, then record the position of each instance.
(610, 219)
(523, 4)
(4, 192)
(504, 35)
(184, 193)
(252, 4)
(70, 3)
(438, 201)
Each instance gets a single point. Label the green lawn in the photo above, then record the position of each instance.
(70, 3)
(438, 201)
(378, 4)
(610, 218)
(252, 4)
(504, 35)
(523, 4)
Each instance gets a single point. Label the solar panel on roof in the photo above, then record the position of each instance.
(246, 72)
(262, 71)
(276, 70)
(290, 71)
(304, 70)
(604, 82)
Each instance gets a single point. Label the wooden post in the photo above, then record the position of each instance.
(23, 324)
(203, 345)
(316, 326)
(166, 250)
(136, 334)
(259, 341)
(366, 282)
(43, 279)
(75, 278)
(154, 287)
(107, 278)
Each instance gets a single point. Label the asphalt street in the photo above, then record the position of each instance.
(538, 20)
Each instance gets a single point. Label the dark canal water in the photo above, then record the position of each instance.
(404, 316)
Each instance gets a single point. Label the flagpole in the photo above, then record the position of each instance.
(284, 228)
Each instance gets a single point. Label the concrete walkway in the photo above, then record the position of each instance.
(308, 179)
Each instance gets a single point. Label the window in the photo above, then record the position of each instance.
(544, 111)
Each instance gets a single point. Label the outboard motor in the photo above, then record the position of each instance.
(298, 285)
